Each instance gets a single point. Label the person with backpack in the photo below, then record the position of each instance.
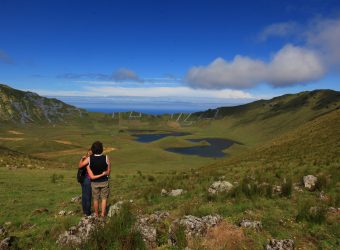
(98, 168)
(85, 182)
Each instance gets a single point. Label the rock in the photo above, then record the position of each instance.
(146, 225)
(257, 225)
(324, 197)
(115, 208)
(40, 210)
(309, 181)
(297, 187)
(220, 187)
(76, 235)
(62, 213)
(277, 189)
(176, 192)
(280, 245)
(76, 199)
(194, 226)
(334, 210)
(8, 243)
(164, 192)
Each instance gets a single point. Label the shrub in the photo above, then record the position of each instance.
(151, 178)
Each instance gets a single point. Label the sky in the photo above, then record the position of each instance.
(169, 55)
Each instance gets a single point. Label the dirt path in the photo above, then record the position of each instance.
(10, 139)
(63, 142)
(13, 132)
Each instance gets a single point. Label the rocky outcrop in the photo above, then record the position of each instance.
(115, 208)
(280, 245)
(8, 243)
(194, 226)
(76, 235)
(257, 225)
(220, 187)
(147, 225)
(3, 232)
(309, 182)
(27, 107)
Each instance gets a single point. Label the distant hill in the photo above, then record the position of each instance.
(26, 107)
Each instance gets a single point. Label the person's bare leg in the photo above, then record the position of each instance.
(103, 207)
(95, 206)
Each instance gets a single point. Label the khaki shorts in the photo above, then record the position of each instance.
(100, 190)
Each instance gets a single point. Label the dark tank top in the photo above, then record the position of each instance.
(98, 165)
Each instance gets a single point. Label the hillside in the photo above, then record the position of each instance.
(263, 120)
(27, 107)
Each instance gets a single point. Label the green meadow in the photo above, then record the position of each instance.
(275, 146)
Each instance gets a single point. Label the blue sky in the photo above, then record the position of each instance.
(184, 54)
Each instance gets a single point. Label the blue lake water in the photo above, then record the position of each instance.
(214, 149)
(154, 137)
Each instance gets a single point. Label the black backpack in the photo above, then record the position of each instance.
(81, 174)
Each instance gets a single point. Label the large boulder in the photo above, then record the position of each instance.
(220, 187)
(193, 226)
(309, 181)
(280, 245)
(147, 224)
(76, 235)
(257, 225)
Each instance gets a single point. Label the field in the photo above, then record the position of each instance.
(39, 162)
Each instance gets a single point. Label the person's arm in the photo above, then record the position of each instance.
(108, 166)
(92, 176)
(84, 162)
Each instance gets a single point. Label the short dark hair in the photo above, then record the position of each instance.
(97, 147)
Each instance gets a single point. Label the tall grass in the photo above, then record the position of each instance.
(118, 233)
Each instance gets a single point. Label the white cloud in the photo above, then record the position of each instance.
(184, 92)
(282, 29)
(291, 65)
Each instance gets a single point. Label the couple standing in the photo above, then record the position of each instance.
(96, 181)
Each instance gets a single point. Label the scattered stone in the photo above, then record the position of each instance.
(70, 213)
(115, 208)
(334, 210)
(277, 189)
(257, 225)
(280, 245)
(76, 199)
(76, 235)
(8, 243)
(220, 187)
(309, 181)
(324, 197)
(40, 210)
(297, 187)
(164, 192)
(176, 192)
(194, 226)
(62, 213)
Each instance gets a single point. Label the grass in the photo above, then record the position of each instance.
(284, 151)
